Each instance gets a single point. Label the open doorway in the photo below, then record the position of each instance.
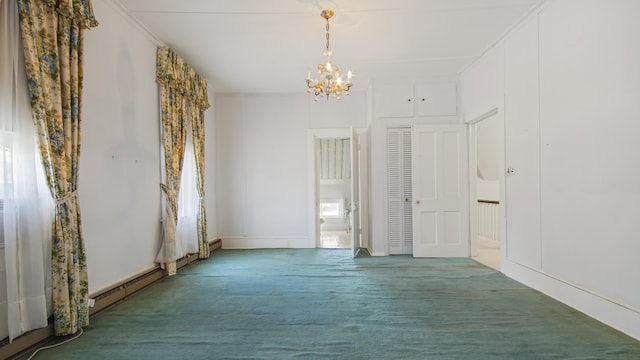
(335, 185)
(485, 168)
(333, 167)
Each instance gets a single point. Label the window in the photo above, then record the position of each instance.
(332, 208)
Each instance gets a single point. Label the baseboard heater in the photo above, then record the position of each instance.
(103, 300)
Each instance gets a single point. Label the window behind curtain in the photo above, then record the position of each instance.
(27, 208)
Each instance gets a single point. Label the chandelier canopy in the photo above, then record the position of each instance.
(329, 81)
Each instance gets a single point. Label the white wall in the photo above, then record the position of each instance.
(120, 158)
(522, 135)
(262, 174)
(350, 110)
(587, 94)
(210, 170)
(487, 190)
(119, 177)
(489, 148)
(482, 85)
(590, 191)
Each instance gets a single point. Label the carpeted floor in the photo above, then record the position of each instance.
(323, 304)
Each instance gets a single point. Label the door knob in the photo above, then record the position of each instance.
(418, 202)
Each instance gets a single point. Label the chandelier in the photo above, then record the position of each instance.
(329, 83)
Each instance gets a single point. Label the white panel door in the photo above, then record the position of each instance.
(354, 215)
(440, 191)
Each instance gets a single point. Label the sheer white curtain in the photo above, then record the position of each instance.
(25, 263)
(187, 227)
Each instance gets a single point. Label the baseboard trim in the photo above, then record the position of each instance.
(24, 342)
(608, 311)
(128, 287)
(103, 300)
(280, 242)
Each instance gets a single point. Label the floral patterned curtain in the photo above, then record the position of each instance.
(52, 37)
(183, 98)
(197, 134)
(174, 132)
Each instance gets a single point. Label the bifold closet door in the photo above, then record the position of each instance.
(399, 193)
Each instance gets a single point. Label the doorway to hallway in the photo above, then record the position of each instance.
(485, 154)
(335, 174)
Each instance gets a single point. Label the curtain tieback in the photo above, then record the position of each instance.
(65, 199)
(167, 190)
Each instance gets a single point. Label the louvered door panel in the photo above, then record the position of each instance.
(394, 194)
(400, 226)
(407, 193)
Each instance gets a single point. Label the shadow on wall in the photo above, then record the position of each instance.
(126, 157)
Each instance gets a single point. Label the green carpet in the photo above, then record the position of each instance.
(323, 304)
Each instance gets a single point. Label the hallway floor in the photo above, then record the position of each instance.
(335, 240)
(488, 253)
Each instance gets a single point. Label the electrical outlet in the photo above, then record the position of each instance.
(92, 302)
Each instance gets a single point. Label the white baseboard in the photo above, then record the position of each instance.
(619, 316)
(377, 253)
(280, 242)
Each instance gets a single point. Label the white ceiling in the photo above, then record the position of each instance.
(266, 46)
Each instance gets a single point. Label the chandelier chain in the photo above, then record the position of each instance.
(327, 27)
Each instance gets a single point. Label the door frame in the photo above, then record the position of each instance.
(354, 214)
(314, 181)
(472, 125)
